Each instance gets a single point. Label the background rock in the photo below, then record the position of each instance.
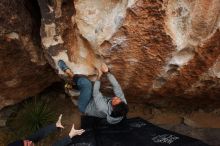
(24, 71)
(164, 52)
(166, 118)
(202, 120)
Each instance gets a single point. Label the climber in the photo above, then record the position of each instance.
(95, 104)
(44, 132)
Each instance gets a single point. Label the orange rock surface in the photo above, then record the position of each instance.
(162, 51)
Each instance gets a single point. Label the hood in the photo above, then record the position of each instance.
(110, 119)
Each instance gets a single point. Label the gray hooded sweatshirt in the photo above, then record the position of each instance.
(100, 106)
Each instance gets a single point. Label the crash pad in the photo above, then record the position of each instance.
(130, 132)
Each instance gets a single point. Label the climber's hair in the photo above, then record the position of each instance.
(120, 110)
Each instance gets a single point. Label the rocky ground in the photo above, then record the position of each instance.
(199, 124)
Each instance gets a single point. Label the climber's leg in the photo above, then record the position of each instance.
(83, 84)
(85, 87)
(65, 68)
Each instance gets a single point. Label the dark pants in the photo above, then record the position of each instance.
(85, 87)
(41, 134)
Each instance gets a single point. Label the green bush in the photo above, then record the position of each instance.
(33, 115)
(37, 115)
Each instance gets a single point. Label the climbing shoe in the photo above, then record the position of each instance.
(62, 65)
(68, 86)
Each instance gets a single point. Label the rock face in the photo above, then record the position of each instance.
(157, 49)
(164, 52)
(24, 71)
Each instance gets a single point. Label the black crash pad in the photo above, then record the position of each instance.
(130, 132)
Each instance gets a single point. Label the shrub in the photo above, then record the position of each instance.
(34, 115)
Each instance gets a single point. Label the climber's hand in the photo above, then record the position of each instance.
(74, 132)
(104, 68)
(58, 123)
(99, 73)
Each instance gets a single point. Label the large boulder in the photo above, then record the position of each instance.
(159, 50)
(164, 52)
(24, 70)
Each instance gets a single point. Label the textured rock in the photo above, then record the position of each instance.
(139, 110)
(164, 52)
(157, 49)
(24, 71)
(202, 120)
(169, 118)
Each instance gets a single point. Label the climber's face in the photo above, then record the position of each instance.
(116, 100)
